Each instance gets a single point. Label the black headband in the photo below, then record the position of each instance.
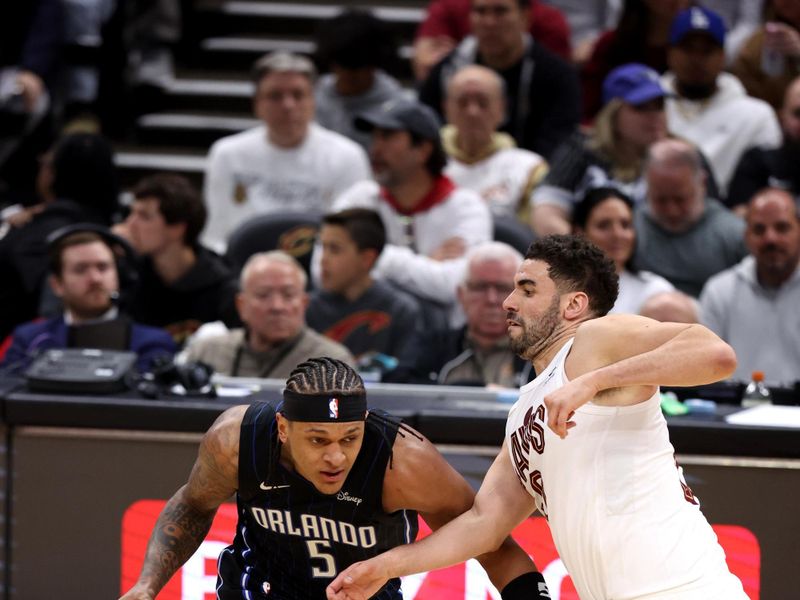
(327, 407)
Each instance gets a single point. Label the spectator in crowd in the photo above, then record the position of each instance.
(30, 44)
(429, 221)
(605, 217)
(447, 22)
(82, 188)
(706, 106)
(613, 154)
(181, 284)
(478, 353)
(741, 18)
(287, 164)
(675, 307)
(777, 167)
(356, 47)
(770, 58)
(753, 305)
(480, 157)
(587, 19)
(275, 339)
(84, 275)
(368, 316)
(683, 235)
(641, 35)
(542, 89)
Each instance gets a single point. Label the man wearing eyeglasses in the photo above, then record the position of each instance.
(478, 353)
(275, 339)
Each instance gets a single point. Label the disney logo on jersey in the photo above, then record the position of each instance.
(333, 408)
(348, 498)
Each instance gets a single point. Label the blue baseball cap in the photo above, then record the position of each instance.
(697, 20)
(633, 83)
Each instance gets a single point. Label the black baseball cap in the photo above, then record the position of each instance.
(401, 115)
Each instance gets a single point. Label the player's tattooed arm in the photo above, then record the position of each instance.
(187, 516)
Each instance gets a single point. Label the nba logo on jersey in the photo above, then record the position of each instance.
(333, 408)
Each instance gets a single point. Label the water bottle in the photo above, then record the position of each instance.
(756, 393)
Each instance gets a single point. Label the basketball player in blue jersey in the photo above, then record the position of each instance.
(587, 445)
(320, 484)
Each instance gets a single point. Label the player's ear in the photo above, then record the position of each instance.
(283, 427)
(577, 306)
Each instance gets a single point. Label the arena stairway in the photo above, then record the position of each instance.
(210, 95)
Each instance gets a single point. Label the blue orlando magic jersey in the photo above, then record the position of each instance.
(291, 540)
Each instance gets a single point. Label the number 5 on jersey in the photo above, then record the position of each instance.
(314, 551)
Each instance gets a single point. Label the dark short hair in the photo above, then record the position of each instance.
(437, 161)
(55, 251)
(594, 197)
(364, 227)
(178, 202)
(355, 39)
(576, 265)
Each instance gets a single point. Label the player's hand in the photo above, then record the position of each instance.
(359, 581)
(562, 403)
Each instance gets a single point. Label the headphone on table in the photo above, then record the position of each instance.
(193, 377)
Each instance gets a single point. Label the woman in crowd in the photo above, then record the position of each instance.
(605, 217)
(613, 154)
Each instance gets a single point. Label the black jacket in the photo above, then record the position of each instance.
(205, 293)
(761, 167)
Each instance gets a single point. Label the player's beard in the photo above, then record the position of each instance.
(536, 335)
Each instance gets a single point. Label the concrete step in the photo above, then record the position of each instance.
(236, 16)
(135, 162)
(198, 130)
(239, 52)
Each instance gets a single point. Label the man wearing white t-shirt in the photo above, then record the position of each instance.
(289, 164)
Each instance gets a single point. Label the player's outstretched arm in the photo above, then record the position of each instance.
(187, 516)
(636, 353)
(426, 482)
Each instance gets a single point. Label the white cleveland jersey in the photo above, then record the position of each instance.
(623, 520)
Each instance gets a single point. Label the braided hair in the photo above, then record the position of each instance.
(322, 375)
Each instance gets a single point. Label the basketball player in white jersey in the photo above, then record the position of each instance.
(587, 445)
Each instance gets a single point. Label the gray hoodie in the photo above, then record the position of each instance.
(762, 324)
